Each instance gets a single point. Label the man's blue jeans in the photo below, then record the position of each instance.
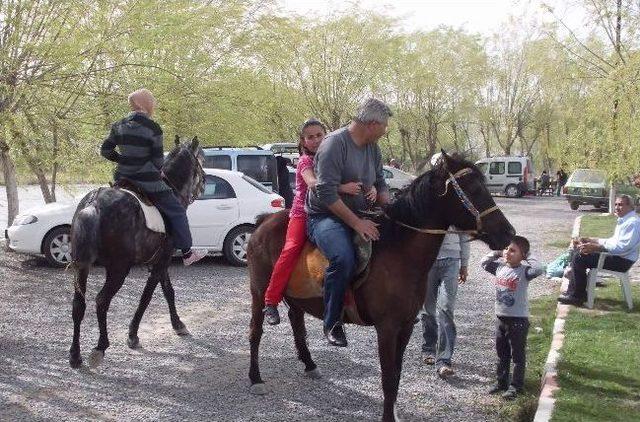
(442, 288)
(334, 239)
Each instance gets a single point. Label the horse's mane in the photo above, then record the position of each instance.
(178, 164)
(416, 202)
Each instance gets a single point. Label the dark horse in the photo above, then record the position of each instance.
(412, 229)
(109, 227)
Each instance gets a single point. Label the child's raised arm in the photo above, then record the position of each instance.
(534, 267)
(490, 261)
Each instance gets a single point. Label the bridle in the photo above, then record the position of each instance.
(466, 202)
(197, 169)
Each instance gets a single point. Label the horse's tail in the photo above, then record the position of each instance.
(85, 232)
(260, 219)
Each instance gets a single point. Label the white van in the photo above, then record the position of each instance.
(512, 176)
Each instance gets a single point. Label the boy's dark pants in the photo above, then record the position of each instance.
(511, 344)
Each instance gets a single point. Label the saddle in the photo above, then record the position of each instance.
(307, 279)
(153, 218)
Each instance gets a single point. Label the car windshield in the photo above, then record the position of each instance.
(587, 176)
(260, 167)
(256, 184)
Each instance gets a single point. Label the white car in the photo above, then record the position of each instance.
(221, 220)
(396, 179)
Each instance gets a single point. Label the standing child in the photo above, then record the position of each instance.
(513, 273)
(311, 135)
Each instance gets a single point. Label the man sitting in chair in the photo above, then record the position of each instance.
(623, 248)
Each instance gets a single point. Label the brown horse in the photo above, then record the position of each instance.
(412, 229)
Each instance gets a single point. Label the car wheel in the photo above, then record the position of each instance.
(57, 247)
(574, 205)
(235, 245)
(512, 191)
(393, 193)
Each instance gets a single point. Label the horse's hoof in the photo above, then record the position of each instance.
(314, 374)
(259, 389)
(95, 358)
(75, 362)
(133, 342)
(182, 331)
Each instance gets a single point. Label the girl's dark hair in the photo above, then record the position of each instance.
(310, 122)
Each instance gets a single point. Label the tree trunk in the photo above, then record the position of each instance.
(11, 182)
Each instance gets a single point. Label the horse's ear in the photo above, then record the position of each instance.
(195, 143)
(177, 140)
(446, 158)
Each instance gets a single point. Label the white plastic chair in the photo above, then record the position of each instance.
(593, 276)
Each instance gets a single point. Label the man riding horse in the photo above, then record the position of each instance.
(349, 154)
(140, 142)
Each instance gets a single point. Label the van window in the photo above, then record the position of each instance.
(260, 167)
(217, 162)
(497, 167)
(387, 174)
(217, 188)
(514, 167)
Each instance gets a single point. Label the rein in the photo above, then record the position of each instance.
(465, 201)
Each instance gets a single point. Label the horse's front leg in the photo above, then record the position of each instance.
(170, 296)
(154, 278)
(255, 335)
(392, 342)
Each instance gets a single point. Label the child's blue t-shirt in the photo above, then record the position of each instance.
(512, 284)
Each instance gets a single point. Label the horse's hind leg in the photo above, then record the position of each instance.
(79, 306)
(255, 334)
(296, 317)
(170, 296)
(115, 279)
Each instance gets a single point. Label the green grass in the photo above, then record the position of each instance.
(599, 372)
(542, 315)
(597, 225)
(559, 244)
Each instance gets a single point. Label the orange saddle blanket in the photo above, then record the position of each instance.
(307, 279)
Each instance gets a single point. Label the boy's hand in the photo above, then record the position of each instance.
(462, 277)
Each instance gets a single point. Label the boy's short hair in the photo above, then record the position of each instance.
(522, 243)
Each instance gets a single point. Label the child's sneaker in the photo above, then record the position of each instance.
(497, 388)
(194, 255)
(445, 371)
(510, 394)
(271, 314)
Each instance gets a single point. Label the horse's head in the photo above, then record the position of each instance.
(183, 171)
(464, 201)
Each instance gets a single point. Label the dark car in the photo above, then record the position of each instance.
(591, 187)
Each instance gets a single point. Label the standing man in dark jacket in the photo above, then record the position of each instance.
(140, 158)
(349, 154)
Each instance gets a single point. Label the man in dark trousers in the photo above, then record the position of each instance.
(622, 247)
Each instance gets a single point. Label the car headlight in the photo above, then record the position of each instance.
(21, 220)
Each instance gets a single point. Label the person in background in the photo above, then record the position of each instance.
(514, 268)
(561, 178)
(623, 249)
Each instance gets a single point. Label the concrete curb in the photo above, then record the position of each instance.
(546, 401)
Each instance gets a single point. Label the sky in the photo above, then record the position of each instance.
(481, 16)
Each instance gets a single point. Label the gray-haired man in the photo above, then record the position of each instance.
(349, 154)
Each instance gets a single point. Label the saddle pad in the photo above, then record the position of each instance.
(152, 216)
(307, 278)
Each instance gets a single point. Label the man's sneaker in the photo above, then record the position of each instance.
(194, 255)
(445, 371)
(271, 314)
(336, 336)
(510, 394)
(428, 358)
(497, 388)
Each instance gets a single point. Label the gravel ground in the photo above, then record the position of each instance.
(204, 376)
